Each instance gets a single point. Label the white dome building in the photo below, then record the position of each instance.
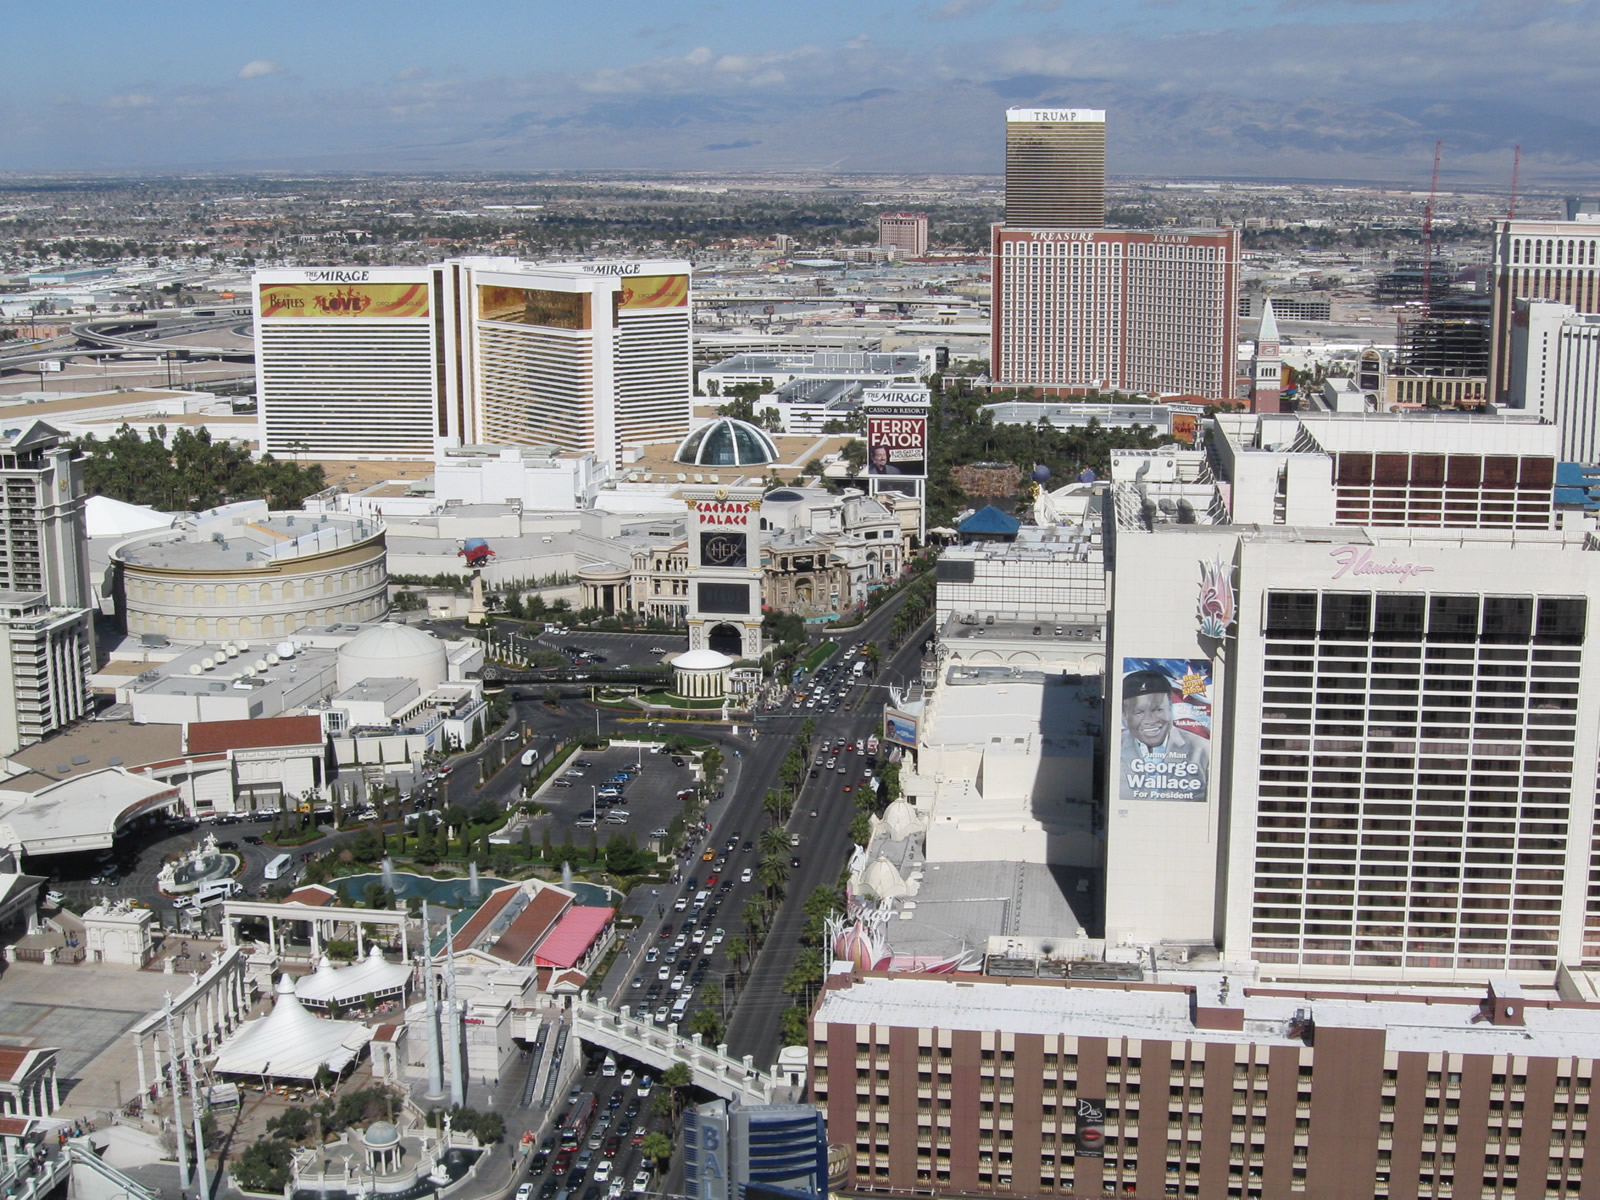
(727, 442)
(392, 651)
(701, 674)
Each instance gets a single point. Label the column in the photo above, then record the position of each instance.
(161, 1075)
(55, 1090)
(361, 950)
(316, 937)
(144, 1082)
(230, 933)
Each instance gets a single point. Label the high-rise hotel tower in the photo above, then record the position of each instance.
(1077, 307)
(397, 363)
(1056, 168)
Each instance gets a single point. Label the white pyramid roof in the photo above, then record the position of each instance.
(290, 1043)
(105, 517)
(372, 976)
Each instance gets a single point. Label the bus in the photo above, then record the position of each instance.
(278, 866)
(575, 1125)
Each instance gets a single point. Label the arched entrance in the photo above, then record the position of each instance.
(726, 639)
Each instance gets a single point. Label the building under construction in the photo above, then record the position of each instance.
(1443, 355)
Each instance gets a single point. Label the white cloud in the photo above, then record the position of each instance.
(131, 100)
(261, 66)
(410, 74)
(952, 10)
(860, 42)
(699, 56)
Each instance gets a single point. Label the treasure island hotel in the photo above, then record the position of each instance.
(395, 363)
(1077, 307)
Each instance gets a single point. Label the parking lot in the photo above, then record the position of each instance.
(649, 795)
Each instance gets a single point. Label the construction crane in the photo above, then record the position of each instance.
(1516, 169)
(1427, 233)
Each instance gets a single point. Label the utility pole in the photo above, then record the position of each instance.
(177, 1099)
(431, 991)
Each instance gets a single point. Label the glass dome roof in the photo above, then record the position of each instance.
(727, 442)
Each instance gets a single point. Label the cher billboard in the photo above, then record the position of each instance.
(654, 291)
(350, 300)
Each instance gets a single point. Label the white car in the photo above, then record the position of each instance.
(716, 938)
(627, 1078)
(602, 1171)
(664, 974)
(677, 982)
(55, 898)
(641, 1181)
(699, 937)
(744, 875)
(619, 1185)
(525, 1192)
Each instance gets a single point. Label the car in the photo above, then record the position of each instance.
(561, 783)
(849, 787)
(664, 974)
(842, 768)
(576, 1176)
(659, 650)
(663, 1013)
(632, 1110)
(252, 840)
(573, 774)
(699, 937)
(641, 1181)
(638, 982)
(596, 1140)
(708, 856)
(651, 955)
(624, 1127)
(586, 822)
(679, 942)
(717, 937)
(445, 769)
(646, 1082)
(651, 992)
(592, 1192)
(627, 1079)
(666, 930)
(658, 833)
(711, 879)
(525, 1192)
(549, 1188)
(795, 861)
(55, 898)
(726, 886)
(618, 1189)
(748, 846)
(583, 762)
(677, 982)
(671, 956)
(602, 1171)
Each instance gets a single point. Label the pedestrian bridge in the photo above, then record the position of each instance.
(618, 1030)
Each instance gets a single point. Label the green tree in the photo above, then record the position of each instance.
(755, 916)
(861, 829)
(656, 1149)
(737, 948)
(773, 841)
(773, 871)
(264, 1166)
(806, 975)
(707, 1022)
(808, 730)
(794, 1026)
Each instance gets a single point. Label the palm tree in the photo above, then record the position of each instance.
(755, 915)
(736, 949)
(773, 873)
(772, 841)
(772, 805)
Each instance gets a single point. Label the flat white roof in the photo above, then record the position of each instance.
(1440, 1025)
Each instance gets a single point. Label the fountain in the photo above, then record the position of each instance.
(388, 872)
(204, 864)
(566, 875)
(472, 880)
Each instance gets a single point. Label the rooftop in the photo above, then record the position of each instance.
(245, 544)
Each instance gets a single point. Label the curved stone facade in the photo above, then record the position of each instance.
(256, 579)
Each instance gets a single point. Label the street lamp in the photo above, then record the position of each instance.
(594, 807)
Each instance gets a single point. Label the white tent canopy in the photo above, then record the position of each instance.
(290, 1043)
(372, 976)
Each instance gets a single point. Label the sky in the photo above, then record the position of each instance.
(1320, 89)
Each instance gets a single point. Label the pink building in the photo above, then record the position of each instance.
(907, 232)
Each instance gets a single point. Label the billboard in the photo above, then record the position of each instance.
(653, 291)
(724, 550)
(723, 597)
(900, 728)
(1089, 1134)
(1166, 729)
(534, 306)
(319, 300)
(897, 445)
